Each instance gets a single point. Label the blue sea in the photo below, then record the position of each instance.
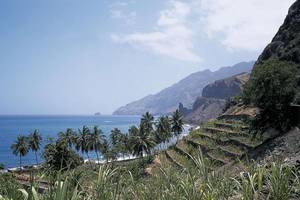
(50, 126)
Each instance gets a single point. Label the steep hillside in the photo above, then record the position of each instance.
(185, 91)
(223, 142)
(286, 43)
(228, 142)
(213, 99)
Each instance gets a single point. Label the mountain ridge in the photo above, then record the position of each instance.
(185, 91)
(213, 100)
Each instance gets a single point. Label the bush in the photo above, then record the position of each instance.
(272, 89)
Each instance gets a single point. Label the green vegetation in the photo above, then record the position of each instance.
(63, 153)
(20, 147)
(59, 156)
(34, 143)
(257, 182)
(182, 171)
(272, 88)
(177, 123)
(2, 166)
(9, 187)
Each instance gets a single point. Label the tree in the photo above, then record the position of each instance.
(35, 140)
(69, 137)
(141, 141)
(115, 136)
(58, 156)
(147, 122)
(2, 166)
(82, 141)
(133, 131)
(163, 130)
(111, 155)
(105, 149)
(119, 142)
(97, 139)
(124, 145)
(177, 123)
(20, 147)
(272, 89)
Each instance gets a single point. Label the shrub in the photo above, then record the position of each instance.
(272, 89)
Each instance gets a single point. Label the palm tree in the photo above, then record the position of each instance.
(125, 145)
(82, 141)
(68, 137)
(97, 139)
(163, 130)
(105, 149)
(20, 147)
(147, 122)
(133, 131)
(35, 142)
(142, 142)
(177, 123)
(115, 136)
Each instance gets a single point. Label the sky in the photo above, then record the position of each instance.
(82, 57)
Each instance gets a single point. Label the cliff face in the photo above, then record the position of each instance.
(213, 99)
(225, 88)
(286, 43)
(204, 109)
(185, 91)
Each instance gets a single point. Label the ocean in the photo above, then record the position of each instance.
(50, 126)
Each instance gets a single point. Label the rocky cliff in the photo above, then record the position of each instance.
(225, 88)
(185, 91)
(286, 43)
(213, 99)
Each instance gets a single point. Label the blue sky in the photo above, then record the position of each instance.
(81, 57)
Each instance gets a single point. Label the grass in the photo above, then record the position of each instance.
(219, 156)
(184, 148)
(246, 141)
(273, 181)
(182, 160)
(232, 149)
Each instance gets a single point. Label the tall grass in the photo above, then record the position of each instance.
(275, 181)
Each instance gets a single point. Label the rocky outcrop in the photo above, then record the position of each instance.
(204, 109)
(185, 91)
(286, 43)
(213, 99)
(226, 88)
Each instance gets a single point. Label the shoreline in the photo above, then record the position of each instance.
(187, 129)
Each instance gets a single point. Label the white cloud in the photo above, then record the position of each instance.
(243, 24)
(239, 25)
(117, 11)
(119, 4)
(172, 36)
(129, 18)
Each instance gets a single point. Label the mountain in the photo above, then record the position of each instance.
(185, 91)
(210, 105)
(286, 43)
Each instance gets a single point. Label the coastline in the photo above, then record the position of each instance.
(187, 130)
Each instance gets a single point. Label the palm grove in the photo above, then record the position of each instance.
(140, 141)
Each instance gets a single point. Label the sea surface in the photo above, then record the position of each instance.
(50, 126)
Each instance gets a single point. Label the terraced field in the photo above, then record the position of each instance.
(222, 142)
